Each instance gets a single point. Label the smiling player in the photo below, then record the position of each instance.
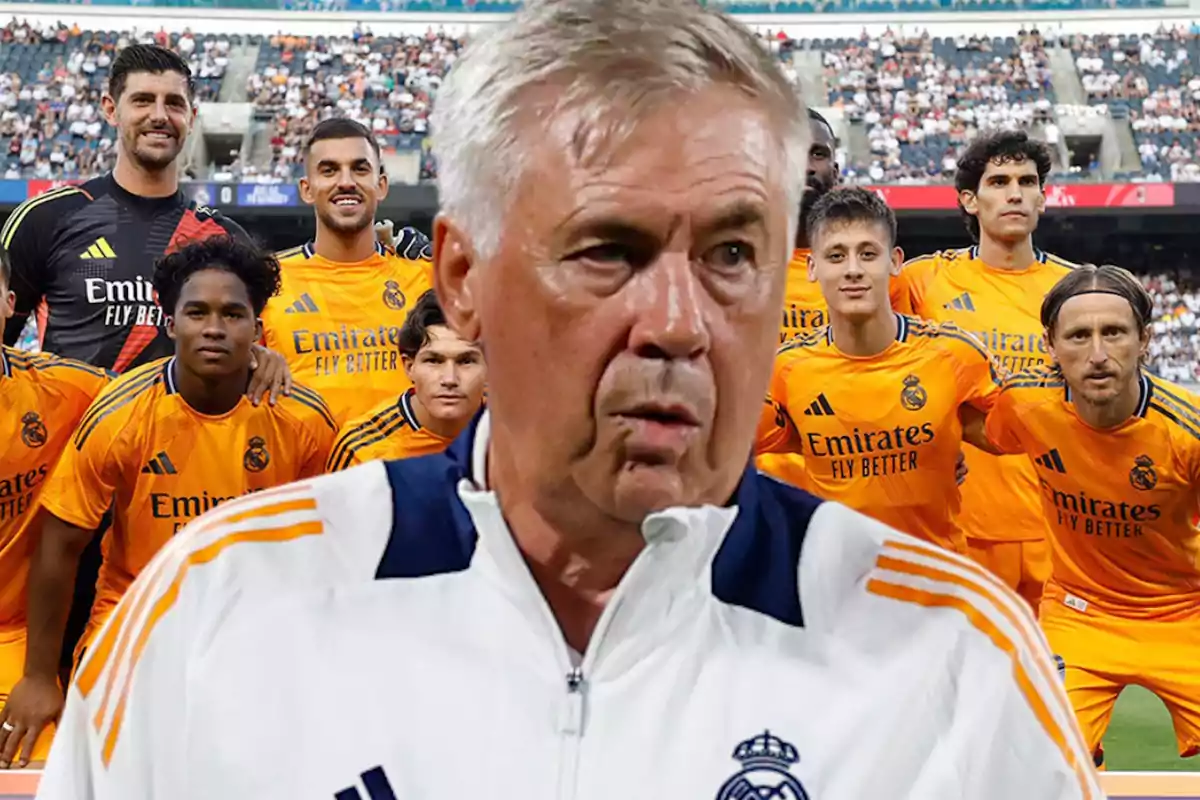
(162, 445)
(873, 401)
(344, 296)
(448, 376)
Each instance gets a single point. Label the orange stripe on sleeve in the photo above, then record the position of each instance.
(978, 619)
(132, 605)
(167, 600)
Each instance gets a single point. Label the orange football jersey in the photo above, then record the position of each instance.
(160, 463)
(389, 431)
(804, 310)
(882, 433)
(1119, 503)
(41, 401)
(338, 324)
(1002, 307)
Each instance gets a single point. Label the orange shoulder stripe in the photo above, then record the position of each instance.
(964, 597)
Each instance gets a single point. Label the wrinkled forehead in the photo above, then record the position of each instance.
(682, 158)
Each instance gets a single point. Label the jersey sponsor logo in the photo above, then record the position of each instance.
(1080, 512)
(819, 407)
(1052, 461)
(1016, 352)
(797, 320)
(913, 396)
(961, 303)
(393, 298)
(303, 305)
(127, 302)
(99, 249)
(348, 350)
(1143, 476)
(181, 509)
(17, 491)
(766, 771)
(375, 781)
(871, 453)
(33, 430)
(161, 464)
(256, 458)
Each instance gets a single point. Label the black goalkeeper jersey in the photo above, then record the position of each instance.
(83, 258)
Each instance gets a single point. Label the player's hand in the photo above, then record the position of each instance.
(385, 233)
(269, 374)
(34, 704)
(960, 468)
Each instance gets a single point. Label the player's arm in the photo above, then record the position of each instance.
(776, 432)
(76, 496)
(28, 236)
(1003, 427)
(978, 377)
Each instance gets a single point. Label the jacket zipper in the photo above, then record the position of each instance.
(572, 718)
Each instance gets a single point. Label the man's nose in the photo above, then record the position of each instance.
(670, 304)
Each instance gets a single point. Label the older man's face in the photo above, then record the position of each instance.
(630, 314)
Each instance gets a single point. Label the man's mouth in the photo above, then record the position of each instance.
(347, 200)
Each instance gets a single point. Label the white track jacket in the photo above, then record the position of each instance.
(376, 635)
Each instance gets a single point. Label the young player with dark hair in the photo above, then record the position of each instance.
(448, 376)
(163, 444)
(43, 399)
(1116, 452)
(83, 256)
(345, 295)
(995, 291)
(874, 401)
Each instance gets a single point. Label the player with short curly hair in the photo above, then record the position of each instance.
(161, 445)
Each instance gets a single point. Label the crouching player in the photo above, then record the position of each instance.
(1117, 455)
(163, 444)
(448, 377)
(876, 401)
(42, 398)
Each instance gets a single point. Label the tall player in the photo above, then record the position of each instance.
(1116, 452)
(995, 291)
(162, 445)
(448, 376)
(873, 401)
(337, 318)
(42, 399)
(83, 256)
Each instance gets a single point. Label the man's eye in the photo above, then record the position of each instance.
(730, 256)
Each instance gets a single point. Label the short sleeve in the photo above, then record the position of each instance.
(81, 487)
(776, 432)
(28, 236)
(979, 377)
(1004, 427)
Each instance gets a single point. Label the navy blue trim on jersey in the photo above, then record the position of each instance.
(901, 329)
(4, 363)
(758, 564)
(169, 376)
(309, 248)
(432, 532)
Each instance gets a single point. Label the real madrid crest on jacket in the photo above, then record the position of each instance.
(777, 648)
(338, 323)
(167, 463)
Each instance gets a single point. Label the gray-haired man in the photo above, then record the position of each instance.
(590, 595)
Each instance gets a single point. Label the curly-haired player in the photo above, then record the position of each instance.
(995, 290)
(168, 440)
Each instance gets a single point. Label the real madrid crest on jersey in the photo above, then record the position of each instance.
(33, 430)
(393, 298)
(913, 396)
(257, 457)
(1143, 476)
(766, 771)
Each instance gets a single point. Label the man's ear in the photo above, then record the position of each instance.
(454, 260)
